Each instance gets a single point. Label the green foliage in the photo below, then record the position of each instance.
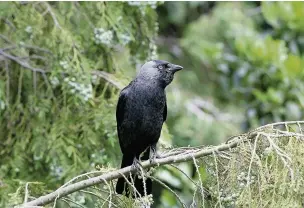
(284, 14)
(266, 171)
(236, 58)
(57, 118)
(57, 115)
(261, 71)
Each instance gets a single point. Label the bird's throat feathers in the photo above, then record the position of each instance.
(151, 82)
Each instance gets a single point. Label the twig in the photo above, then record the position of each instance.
(251, 161)
(70, 200)
(9, 48)
(200, 180)
(7, 83)
(9, 23)
(92, 193)
(36, 48)
(49, 9)
(26, 193)
(34, 57)
(5, 38)
(185, 174)
(22, 63)
(108, 78)
(300, 128)
(132, 184)
(143, 179)
(217, 179)
(66, 202)
(282, 155)
(107, 200)
(84, 14)
(167, 187)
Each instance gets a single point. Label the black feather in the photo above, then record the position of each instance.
(140, 114)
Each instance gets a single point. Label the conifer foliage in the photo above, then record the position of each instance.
(57, 113)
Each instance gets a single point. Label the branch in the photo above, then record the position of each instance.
(205, 110)
(13, 46)
(108, 77)
(177, 155)
(50, 11)
(36, 48)
(182, 157)
(5, 39)
(22, 63)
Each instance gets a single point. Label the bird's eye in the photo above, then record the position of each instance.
(160, 67)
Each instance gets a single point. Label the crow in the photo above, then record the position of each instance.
(140, 114)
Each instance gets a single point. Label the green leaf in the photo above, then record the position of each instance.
(293, 66)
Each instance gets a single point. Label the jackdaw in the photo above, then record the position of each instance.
(140, 114)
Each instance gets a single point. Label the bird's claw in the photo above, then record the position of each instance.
(136, 164)
(154, 155)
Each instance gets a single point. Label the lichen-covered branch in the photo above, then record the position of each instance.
(186, 155)
(176, 155)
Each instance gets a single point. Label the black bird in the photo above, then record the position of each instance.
(140, 114)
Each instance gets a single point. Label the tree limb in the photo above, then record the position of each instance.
(22, 63)
(187, 155)
(176, 155)
(108, 77)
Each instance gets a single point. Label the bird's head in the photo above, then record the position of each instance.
(159, 71)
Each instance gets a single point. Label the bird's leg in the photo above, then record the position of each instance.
(136, 164)
(153, 153)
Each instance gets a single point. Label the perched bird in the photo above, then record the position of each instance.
(140, 114)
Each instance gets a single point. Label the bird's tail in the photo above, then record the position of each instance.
(139, 184)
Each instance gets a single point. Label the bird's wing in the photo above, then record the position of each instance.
(165, 112)
(120, 109)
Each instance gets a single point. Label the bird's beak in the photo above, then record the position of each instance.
(175, 68)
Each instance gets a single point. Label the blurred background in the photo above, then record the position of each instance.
(62, 65)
